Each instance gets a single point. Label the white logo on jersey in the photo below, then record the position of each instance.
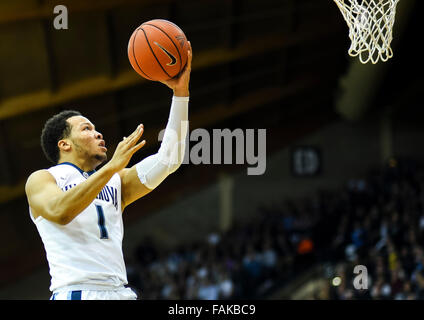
(108, 194)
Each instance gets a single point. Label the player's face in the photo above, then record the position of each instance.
(87, 142)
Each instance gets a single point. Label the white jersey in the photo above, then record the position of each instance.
(87, 252)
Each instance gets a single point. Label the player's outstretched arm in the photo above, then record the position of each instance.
(46, 199)
(146, 175)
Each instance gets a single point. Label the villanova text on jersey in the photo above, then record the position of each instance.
(108, 194)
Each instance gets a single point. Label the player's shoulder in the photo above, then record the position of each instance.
(50, 174)
(39, 176)
(36, 179)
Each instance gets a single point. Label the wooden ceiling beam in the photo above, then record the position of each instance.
(95, 85)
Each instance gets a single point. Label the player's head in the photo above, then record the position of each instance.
(68, 132)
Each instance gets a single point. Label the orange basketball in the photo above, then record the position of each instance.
(157, 50)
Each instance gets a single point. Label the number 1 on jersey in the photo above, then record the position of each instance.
(101, 222)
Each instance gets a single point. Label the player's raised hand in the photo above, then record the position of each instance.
(126, 149)
(180, 85)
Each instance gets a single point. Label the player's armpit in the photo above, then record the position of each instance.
(131, 186)
(41, 190)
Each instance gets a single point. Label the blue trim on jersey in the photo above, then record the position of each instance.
(79, 169)
(76, 295)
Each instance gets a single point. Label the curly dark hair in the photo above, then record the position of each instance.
(55, 129)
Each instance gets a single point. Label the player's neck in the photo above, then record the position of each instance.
(84, 164)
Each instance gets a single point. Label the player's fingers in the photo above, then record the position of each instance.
(189, 56)
(133, 146)
(138, 146)
(136, 133)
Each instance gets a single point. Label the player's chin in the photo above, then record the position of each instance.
(101, 157)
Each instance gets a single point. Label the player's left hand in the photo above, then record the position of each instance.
(180, 84)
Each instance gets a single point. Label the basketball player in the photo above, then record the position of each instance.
(77, 210)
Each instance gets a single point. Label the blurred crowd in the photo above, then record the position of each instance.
(383, 230)
(377, 222)
(244, 262)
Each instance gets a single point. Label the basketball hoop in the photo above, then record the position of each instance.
(370, 25)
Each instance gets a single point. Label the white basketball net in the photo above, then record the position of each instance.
(370, 25)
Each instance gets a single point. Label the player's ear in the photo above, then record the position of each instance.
(64, 145)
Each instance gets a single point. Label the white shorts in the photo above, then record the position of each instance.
(113, 294)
